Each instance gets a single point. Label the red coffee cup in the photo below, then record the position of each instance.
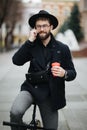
(55, 64)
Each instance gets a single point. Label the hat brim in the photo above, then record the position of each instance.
(33, 19)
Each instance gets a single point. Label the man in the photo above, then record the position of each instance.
(48, 91)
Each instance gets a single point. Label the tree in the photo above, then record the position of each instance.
(3, 14)
(73, 23)
(10, 14)
(64, 27)
(15, 15)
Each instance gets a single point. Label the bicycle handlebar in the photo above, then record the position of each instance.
(30, 126)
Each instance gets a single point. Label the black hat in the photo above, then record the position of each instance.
(45, 14)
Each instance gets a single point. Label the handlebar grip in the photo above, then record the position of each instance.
(5, 123)
(11, 124)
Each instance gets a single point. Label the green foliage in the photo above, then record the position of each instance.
(64, 27)
(73, 23)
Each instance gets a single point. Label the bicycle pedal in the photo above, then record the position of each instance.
(38, 123)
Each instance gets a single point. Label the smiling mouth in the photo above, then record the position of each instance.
(42, 33)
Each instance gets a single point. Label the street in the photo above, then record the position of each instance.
(72, 117)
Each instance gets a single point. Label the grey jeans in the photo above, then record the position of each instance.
(23, 101)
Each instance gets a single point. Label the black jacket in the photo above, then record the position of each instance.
(60, 53)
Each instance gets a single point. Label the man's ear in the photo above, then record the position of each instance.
(51, 27)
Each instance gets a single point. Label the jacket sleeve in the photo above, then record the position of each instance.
(23, 55)
(69, 65)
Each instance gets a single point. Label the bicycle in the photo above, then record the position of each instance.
(33, 125)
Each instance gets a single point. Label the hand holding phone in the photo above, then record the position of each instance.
(32, 35)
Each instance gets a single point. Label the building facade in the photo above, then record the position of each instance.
(59, 8)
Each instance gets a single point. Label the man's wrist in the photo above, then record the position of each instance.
(65, 75)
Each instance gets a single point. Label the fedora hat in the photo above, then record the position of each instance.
(44, 14)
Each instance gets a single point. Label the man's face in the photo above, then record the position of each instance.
(43, 28)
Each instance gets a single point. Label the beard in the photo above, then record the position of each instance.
(43, 35)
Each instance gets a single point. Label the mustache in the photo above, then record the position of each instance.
(41, 32)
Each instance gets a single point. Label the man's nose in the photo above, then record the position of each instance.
(41, 28)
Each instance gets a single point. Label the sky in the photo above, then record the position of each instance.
(38, 1)
(35, 1)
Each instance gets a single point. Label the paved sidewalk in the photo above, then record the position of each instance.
(72, 117)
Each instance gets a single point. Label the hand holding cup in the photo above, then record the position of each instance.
(55, 68)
